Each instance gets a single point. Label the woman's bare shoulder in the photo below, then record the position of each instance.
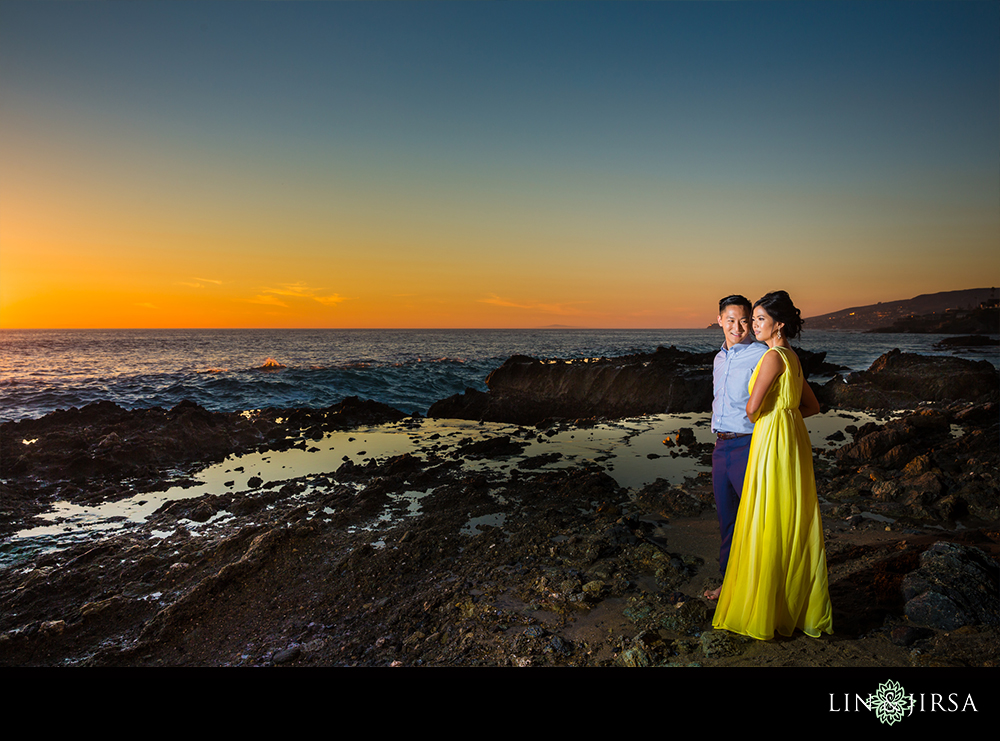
(773, 359)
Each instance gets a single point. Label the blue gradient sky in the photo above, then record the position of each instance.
(487, 164)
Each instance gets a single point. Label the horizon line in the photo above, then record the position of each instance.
(422, 329)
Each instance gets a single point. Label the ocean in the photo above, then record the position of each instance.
(409, 369)
(237, 370)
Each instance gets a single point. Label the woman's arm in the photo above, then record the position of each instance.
(771, 366)
(808, 404)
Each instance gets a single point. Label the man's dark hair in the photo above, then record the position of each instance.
(735, 300)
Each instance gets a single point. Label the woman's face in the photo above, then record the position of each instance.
(764, 327)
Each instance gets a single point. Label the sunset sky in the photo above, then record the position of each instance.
(490, 164)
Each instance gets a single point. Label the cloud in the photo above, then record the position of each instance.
(298, 291)
(291, 289)
(561, 309)
(497, 301)
(199, 282)
(268, 300)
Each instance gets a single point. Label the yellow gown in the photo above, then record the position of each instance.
(776, 577)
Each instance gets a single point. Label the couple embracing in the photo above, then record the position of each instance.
(772, 558)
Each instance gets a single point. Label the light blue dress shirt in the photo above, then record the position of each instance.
(731, 375)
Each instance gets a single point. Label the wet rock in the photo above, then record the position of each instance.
(203, 512)
(634, 656)
(685, 436)
(654, 613)
(528, 390)
(494, 447)
(720, 643)
(955, 585)
(52, 627)
(664, 498)
(470, 404)
(687, 618)
(897, 380)
(935, 464)
(907, 635)
(102, 443)
(539, 461)
(573, 546)
(287, 655)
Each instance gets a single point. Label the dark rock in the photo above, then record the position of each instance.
(538, 461)
(287, 655)
(471, 404)
(955, 585)
(720, 643)
(975, 340)
(531, 391)
(527, 390)
(685, 436)
(899, 380)
(936, 464)
(494, 447)
(635, 656)
(907, 635)
(662, 497)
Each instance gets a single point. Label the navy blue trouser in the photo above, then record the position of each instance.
(729, 466)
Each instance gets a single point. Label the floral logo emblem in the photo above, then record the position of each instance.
(890, 702)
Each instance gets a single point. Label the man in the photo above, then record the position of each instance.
(734, 365)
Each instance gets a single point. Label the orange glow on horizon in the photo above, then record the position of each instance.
(367, 183)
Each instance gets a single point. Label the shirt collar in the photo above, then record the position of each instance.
(742, 345)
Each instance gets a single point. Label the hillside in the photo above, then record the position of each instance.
(935, 310)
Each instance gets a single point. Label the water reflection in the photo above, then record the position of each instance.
(632, 451)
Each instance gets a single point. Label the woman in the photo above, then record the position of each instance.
(776, 579)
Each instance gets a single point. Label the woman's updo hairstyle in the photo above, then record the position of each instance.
(780, 308)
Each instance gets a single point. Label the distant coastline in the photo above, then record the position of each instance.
(971, 311)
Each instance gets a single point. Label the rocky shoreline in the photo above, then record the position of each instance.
(510, 559)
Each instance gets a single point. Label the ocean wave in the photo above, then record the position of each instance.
(409, 370)
(271, 364)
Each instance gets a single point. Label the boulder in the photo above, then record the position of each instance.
(901, 380)
(527, 390)
(955, 585)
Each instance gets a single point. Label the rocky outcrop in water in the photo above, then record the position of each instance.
(903, 380)
(526, 390)
(508, 565)
(94, 453)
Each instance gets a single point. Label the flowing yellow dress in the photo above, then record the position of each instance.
(776, 578)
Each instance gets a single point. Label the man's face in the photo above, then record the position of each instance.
(735, 323)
